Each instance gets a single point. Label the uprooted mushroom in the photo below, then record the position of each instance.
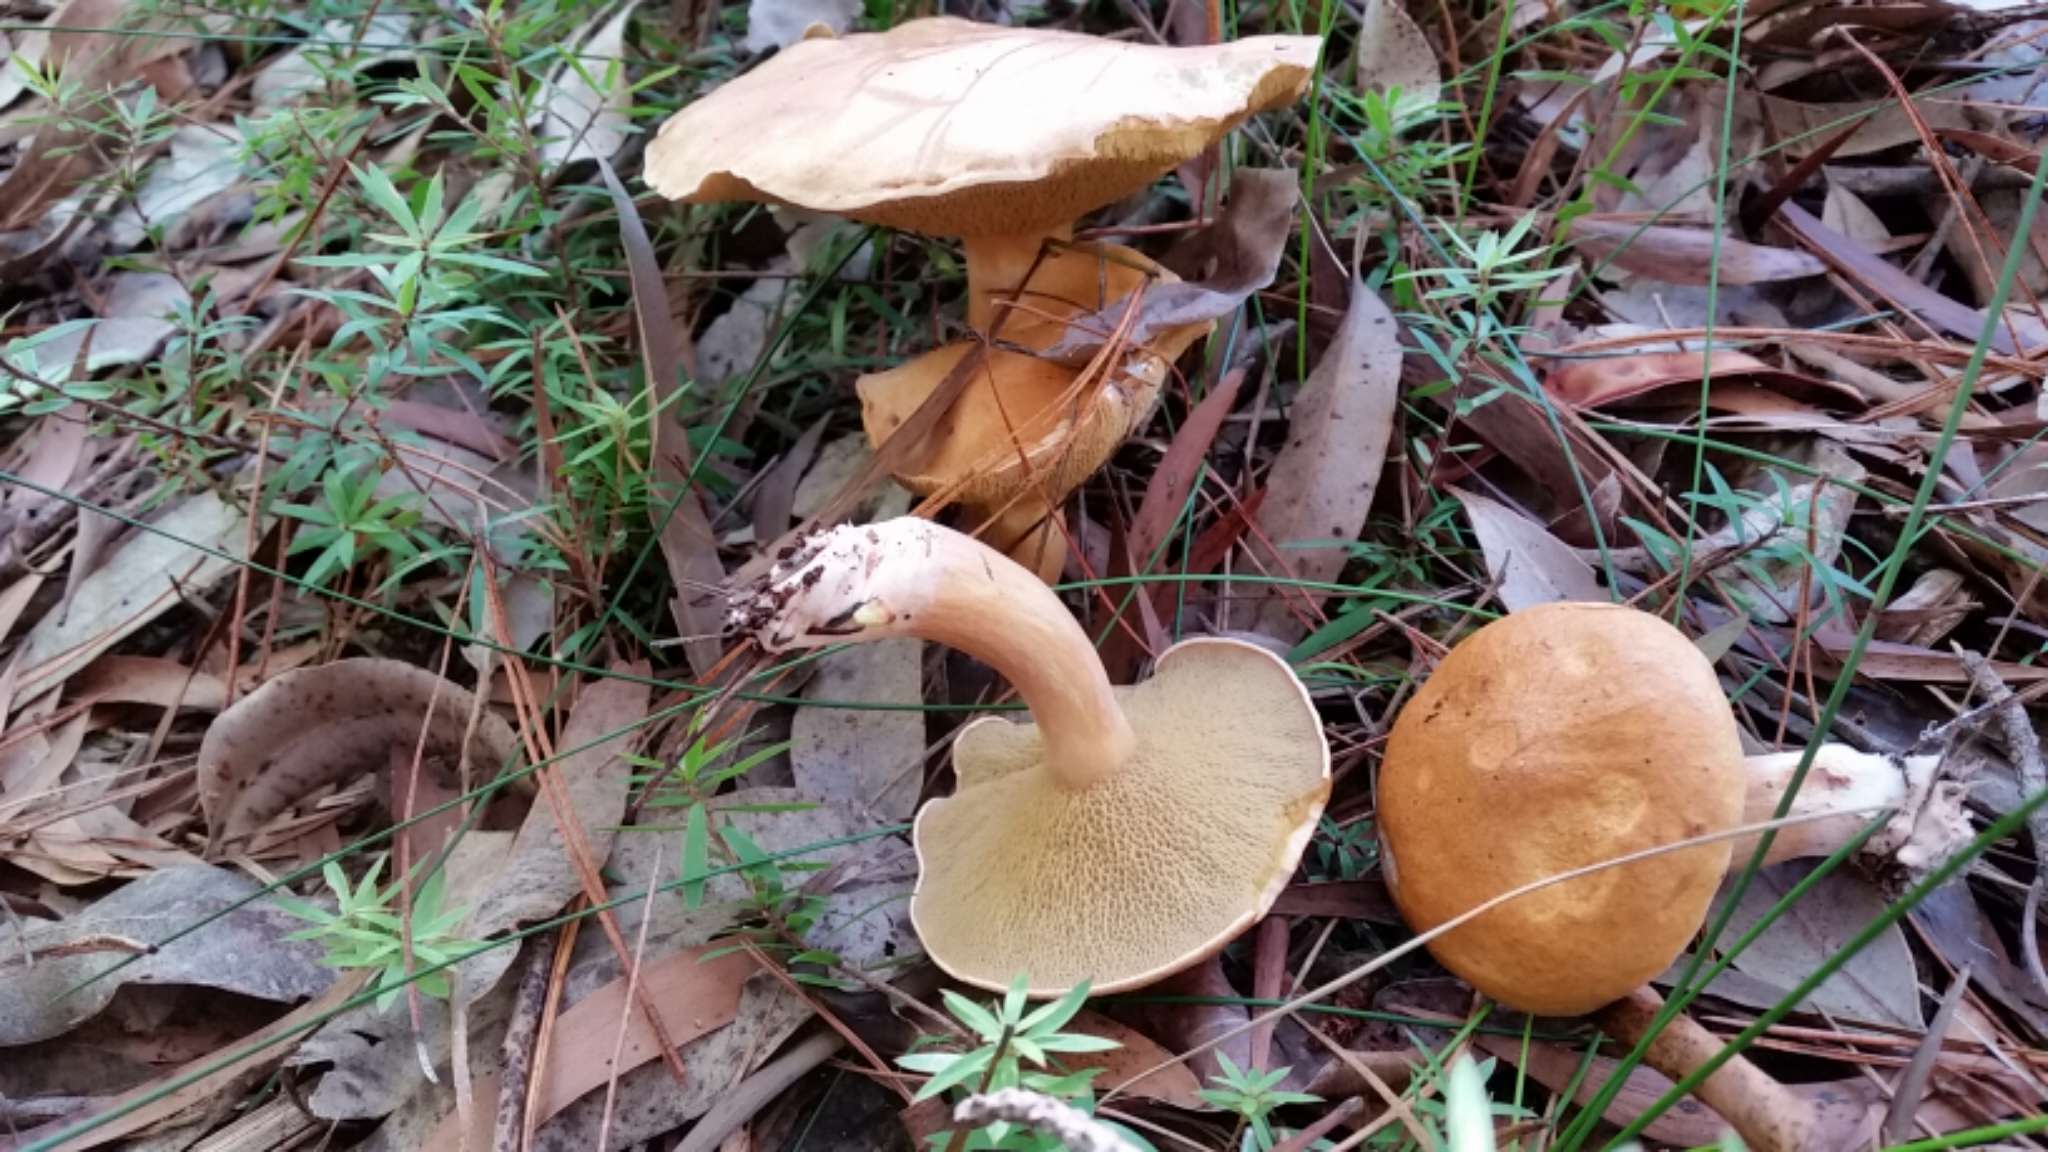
(1564, 735)
(1003, 137)
(1119, 835)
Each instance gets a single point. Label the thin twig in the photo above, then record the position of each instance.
(2023, 747)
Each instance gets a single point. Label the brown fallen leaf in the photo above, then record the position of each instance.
(1852, 261)
(1322, 482)
(316, 726)
(244, 951)
(1174, 1085)
(1239, 255)
(185, 549)
(195, 1083)
(868, 758)
(687, 543)
(1592, 382)
(1528, 564)
(1687, 255)
(535, 878)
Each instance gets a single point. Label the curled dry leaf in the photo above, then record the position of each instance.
(1322, 483)
(320, 725)
(243, 951)
(1530, 565)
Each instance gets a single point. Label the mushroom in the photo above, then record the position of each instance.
(1119, 835)
(1002, 137)
(1563, 735)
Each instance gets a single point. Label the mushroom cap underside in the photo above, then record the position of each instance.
(1557, 737)
(1143, 875)
(952, 128)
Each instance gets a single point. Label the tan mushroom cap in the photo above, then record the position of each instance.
(1150, 871)
(948, 127)
(1066, 425)
(1557, 737)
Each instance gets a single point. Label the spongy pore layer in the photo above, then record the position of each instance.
(1146, 873)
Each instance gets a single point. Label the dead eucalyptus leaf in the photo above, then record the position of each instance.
(137, 307)
(1239, 255)
(584, 105)
(243, 951)
(203, 161)
(536, 876)
(1394, 53)
(1878, 985)
(187, 547)
(1530, 565)
(870, 758)
(316, 726)
(1322, 483)
(1687, 255)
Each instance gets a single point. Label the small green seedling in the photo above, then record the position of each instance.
(1017, 1049)
(365, 931)
(1251, 1097)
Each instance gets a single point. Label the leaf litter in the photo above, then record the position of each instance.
(216, 318)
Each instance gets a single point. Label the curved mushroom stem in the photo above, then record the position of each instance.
(1927, 826)
(997, 267)
(910, 577)
(1767, 1115)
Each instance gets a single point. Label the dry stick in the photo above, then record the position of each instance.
(564, 811)
(1403, 949)
(1396, 1106)
(516, 1053)
(740, 1103)
(536, 1084)
(2023, 745)
(1269, 967)
(611, 1083)
(883, 1072)
(1301, 1141)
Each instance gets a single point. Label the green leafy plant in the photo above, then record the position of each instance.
(1018, 1048)
(366, 930)
(1251, 1096)
(1343, 851)
(352, 524)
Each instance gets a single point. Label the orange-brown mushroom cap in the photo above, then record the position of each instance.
(1560, 736)
(948, 127)
(1148, 872)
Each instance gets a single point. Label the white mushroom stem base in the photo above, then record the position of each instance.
(1767, 1115)
(1927, 825)
(910, 577)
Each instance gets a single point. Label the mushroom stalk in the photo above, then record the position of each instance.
(1928, 821)
(1767, 1115)
(998, 266)
(910, 577)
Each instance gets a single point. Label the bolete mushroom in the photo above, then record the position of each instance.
(1119, 835)
(1564, 735)
(1002, 137)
